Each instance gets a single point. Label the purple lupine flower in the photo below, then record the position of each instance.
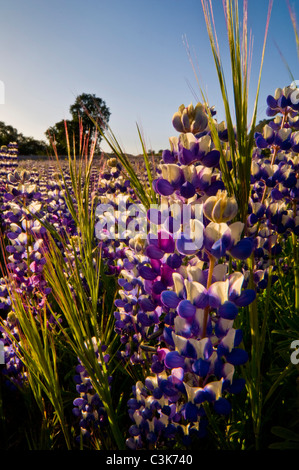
(88, 407)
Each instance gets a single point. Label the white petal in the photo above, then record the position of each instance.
(204, 143)
(284, 133)
(267, 131)
(220, 271)
(191, 391)
(216, 387)
(179, 342)
(229, 339)
(178, 284)
(194, 289)
(199, 346)
(236, 230)
(180, 325)
(195, 273)
(219, 289)
(215, 231)
(170, 172)
(235, 282)
(228, 371)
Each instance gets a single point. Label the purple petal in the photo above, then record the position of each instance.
(214, 188)
(166, 275)
(156, 265)
(173, 360)
(190, 351)
(177, 123)
(201, 367)
(218, 249)
(144, 319)
(238, 337)
(147, 305)
(154, 252)
(167, 335)
(243, 249)
(282, 102)
(170, 299)
(164, 187)
(174, 261)
(271, 101)
(211, 159)
(191, 412)
(166, 242)
(167, 387)
(237, 356)
(187, 190)
(168, 156)
(147, 273)
(261, 142)
(186, 309)
(12, 235)
(79, 402)
(271, 112)
(187, 156)
(228, 310)
(246, 297)
(201, 396)
(157, 287)
(222, 406)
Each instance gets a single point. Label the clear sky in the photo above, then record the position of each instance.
(130, 53)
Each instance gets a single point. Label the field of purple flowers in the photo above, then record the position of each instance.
(144, 329)
(152, 304)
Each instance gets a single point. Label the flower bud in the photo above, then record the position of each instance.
(190, 119)
(220, 208)
(112, 162)
(11, 178)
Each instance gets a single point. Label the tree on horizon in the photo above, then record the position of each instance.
(85, 104)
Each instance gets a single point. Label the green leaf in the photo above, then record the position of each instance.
(284, 433)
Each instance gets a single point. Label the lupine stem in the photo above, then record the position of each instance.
(296, 272)
(209, 282)
(258, 340)
(223, 442)
(255, 370)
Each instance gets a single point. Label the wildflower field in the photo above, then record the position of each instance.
(153, 303)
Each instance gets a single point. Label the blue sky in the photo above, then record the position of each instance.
(131, 54)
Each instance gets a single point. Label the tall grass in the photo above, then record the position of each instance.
(84, 316)
(239, 151)
(37, 350)
(146, 194)
(85, 323)
(240, 131)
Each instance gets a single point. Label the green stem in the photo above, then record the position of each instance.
(296, 272)
(209, 282)
(254, 384)
(214, 427)
(266, 313)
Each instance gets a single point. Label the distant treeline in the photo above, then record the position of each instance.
(26, 145)
(33, 148)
